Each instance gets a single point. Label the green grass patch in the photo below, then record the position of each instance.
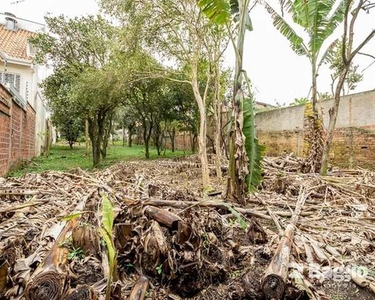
(62, 158)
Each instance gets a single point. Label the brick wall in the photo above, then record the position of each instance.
(17, 132)
(281, 130)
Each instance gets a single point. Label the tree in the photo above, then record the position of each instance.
(348, 52)
(70, 127)
(336, 64)
(318, 19)
(127, 120)
(186, 113)
(66, 118)
(245, 151)
(177, 32)
(97, 93)
(80, 50)
(143, 99)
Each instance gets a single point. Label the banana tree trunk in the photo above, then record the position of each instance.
(237, 146)
(314, 131)
(49, 280)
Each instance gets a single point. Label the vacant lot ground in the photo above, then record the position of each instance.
(187, 243)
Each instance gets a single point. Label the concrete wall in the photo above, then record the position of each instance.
(17, 132)
(281, 130)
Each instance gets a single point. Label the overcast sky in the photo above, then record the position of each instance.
(277, 73)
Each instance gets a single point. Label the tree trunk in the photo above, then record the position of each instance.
(314, 88)
(314, 131)
(87, 142)
(147, 149)
(96, 152)
(193, 140)
(157, 139)
(236, 187)
(217, 117)
(71, 145)
(130, 136)
(172, 136)
(123, 136)
(48, 137)
(95, 141)
(105, 128)
(332, 123)
(146, 137)
(202, 129)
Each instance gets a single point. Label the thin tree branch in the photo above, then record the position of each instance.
(366, 54)
(365, 41)
(368, 66)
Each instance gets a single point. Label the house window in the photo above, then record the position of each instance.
(13, 79)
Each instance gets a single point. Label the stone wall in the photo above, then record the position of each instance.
(281, 130)
(17, 132)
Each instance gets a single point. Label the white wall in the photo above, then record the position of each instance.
(30, 77)
(355, 110)
(27, 79)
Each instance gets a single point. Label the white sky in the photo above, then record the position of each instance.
(277, 73)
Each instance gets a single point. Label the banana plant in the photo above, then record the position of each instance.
(318, 19)
(245, 151)
(106, 232)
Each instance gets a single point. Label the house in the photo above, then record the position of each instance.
(18, 72)
(23, 111)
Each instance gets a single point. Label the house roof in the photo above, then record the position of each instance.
(14, 43)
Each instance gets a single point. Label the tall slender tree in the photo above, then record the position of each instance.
(348, 52)
(245, 151)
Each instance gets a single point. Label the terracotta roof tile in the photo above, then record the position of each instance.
(14, 43)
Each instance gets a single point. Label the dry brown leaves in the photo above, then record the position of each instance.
(204, 256)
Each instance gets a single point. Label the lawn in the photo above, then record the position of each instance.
(62, 158)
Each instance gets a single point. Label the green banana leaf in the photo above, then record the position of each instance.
(218, 11)
(253, 149)
(107, 214)
(221, 11)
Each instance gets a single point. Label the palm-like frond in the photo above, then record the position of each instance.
(222, 11)
(286, 5)
(319, 24)
(218, 11)
(286, 30)
(253, 149)
(329, 53)
(336, 18)
(300, 13)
